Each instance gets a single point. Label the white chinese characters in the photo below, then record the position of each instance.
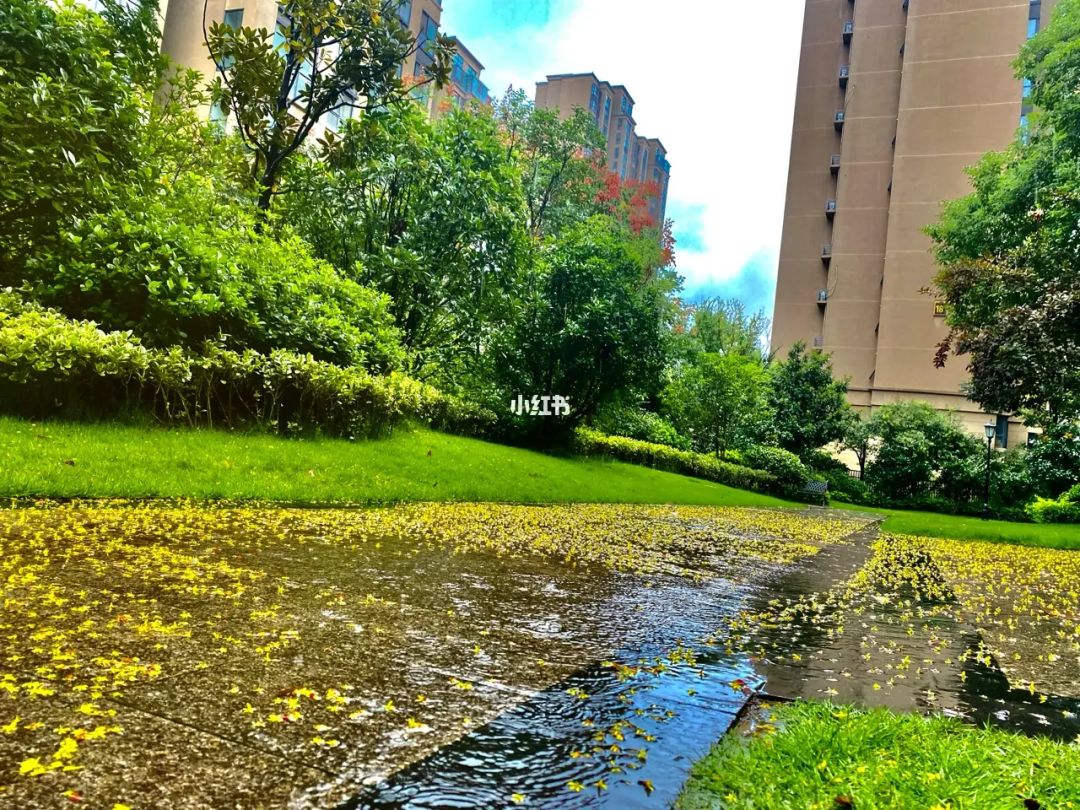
(540, 405)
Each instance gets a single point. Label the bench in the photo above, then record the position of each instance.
(819, 490)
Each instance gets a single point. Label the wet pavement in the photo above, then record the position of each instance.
(186, 657)
(457, 655)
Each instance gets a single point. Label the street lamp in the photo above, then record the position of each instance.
(991, 431)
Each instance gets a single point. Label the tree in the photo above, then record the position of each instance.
(1010, 253)
(327, 55)
(590, 325)
(72, 102)
(430, 214)
(921, 452)
(719, 401)
(725, 327)
(859, 439)
(559, 159)
(809, 407)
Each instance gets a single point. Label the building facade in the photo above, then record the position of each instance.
(629, 155)
(895, 99)
(183, 39)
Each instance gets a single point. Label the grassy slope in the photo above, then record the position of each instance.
(131, 461)
(876, 759)
(138, 461)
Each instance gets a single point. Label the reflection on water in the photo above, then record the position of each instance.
(630, 743)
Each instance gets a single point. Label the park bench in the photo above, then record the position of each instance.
(817, 490)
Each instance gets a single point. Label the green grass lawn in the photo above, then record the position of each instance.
(830, 757)
(68, 460)
(959, 527)
(79, 460)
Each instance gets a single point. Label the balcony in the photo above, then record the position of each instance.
(834, 164)
(830, 208)
(838, 120)
(826, 253)
(845, 73)
(822, 297)
(849, 29)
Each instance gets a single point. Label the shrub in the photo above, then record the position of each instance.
(658, 456)
(1044, 510)
(186, 267)
(46, 358)
(790, 473)
(636, 423)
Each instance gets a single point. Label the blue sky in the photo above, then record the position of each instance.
(714, 81)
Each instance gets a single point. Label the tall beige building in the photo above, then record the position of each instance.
(629, 155)
(183, 37)
(895, 98)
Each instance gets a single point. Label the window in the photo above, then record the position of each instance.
(607, 113)
(1033, 27)
(405, 12)
(594, 99)
(234, 18)
(1002, 439)
(1027, 88)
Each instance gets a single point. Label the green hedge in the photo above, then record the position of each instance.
(47, 359)
(699, 465)
(1044, 510)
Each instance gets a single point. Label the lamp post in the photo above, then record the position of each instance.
(991, 431)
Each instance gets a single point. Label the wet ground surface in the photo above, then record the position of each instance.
(185, 657)
(475, 656)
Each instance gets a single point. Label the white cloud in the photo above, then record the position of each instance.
(712, 79)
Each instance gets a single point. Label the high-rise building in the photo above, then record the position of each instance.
(465, 87)
(895, 99)
(185, 23)
(629, 155)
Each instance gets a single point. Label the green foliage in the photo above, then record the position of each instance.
(1054, 461)
(48, 357)
(69, 112)
(186, 266)
(809, 408)
(719, 326)
(634, 422)
(791, 474)
(558, 176)
(1009, 252)
(699, 465)
(1044, 510)
(719, 401)
(430, 214)
(590, 323)
(922, 452)
(327, 55)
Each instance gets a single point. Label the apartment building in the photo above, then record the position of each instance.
(895, 98)
(629, 155)
(183, 39)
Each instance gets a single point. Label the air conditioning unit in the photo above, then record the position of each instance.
(826, 252)
(819, 341)
(822, 296)
(830, 207)
(845, 73)
(834, 163)
(849, 29)
(838, 120)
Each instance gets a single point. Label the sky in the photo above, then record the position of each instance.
(713, 81)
